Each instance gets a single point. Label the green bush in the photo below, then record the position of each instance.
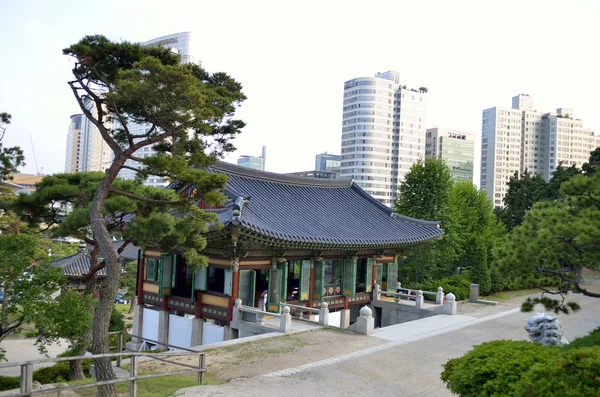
(59, 372)
(9, 382)
(116, 321)
(494, 368)
(575, 373)
(593, 339)
(458, 284)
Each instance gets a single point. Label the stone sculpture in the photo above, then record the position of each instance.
(545, 330)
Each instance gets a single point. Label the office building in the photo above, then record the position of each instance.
(383, 132)
(182, 43)
(315, 174)
(327, 162)
(520, 138)
(455, 148)
(254, 162)
(73, 144)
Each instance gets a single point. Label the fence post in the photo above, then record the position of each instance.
(27, 379)
(133, 372)
(201, 368)
(324, 314)
(119, 349)
(397, 297)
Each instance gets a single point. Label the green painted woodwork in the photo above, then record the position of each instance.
(349, 277)
(246, 287)
(201, 279)
(379, 274)
(305, 280)
(228, 287)
(165, 274)
(283, 266)
(273, 298)
(152, 270)
(392, 277)
(369, 275)
(318, 283)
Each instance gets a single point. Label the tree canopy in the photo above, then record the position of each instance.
(519, 198)
(10, 157)
(188, 119)
(425, 189)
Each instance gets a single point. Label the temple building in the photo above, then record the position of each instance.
(286, 238)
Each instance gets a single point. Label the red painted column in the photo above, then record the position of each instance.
(141, 273)
(374, 273)
(345, 302)
(235, 284)
(198, 305)
(165, 303)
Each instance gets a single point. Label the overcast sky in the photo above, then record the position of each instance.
(293, 57)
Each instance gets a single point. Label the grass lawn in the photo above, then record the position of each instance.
(504, 295)
(122, 308)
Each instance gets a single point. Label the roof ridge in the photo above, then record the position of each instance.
(279, 178)
(415, 220)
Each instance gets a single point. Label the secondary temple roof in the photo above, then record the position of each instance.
(310, 212)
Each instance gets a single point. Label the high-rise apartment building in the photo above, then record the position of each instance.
(327, 162)
(94, 152)
(182, 44)
(520, 138)
(383, 132)
(455, 148)
(73, 153)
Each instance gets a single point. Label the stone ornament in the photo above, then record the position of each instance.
(545, 330)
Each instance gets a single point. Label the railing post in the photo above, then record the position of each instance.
(324, 314)
(133, 372)
(201, 368)
(439, 297)
(376, 292)
(27, 379)
(419, 300)
(285, 323)
(397, 297)
(119, 349)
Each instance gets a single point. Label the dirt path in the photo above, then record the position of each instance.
(273, 354)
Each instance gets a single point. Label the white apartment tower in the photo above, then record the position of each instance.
(182, 44)
(521, 138)
(94, 152)
(73, 152)
(383, 133)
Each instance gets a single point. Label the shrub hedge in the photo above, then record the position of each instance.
(9, 382)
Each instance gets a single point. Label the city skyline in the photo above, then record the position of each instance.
(477, 77)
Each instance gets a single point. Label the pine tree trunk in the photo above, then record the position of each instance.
(110, 285)
(132, 305)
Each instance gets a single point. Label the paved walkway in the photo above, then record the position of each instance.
(25, 350)
(411, 362)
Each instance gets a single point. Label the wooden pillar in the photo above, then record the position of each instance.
(198, 304)
(141, 273)
(235, 283)
(165, 303)
(312, 283)
(374, 271)
(345, 302)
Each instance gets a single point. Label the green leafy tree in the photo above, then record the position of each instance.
(519, 198)
(27, 279)
(425, 190)
(190, 117)
(128, 281)
(10, 157)
(591, 166)
(551, 190)
(471, 229)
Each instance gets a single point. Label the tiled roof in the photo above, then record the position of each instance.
(315, 213)
(76, 265)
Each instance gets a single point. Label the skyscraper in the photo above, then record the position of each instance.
(182, 44)
(383, 132)
(455, 148)
(521, 138)
(73, 144)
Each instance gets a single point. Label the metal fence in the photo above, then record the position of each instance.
(27, 370)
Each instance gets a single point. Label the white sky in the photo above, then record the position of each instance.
(292, 58)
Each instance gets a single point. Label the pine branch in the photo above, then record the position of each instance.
(146, 200)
